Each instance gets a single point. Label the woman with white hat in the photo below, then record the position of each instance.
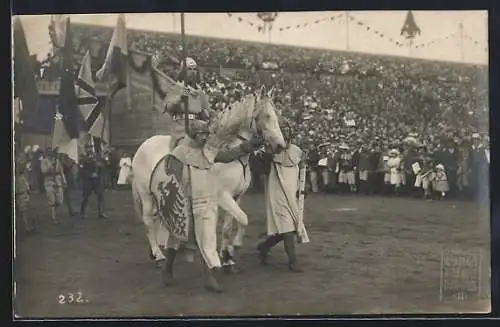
(394, 164)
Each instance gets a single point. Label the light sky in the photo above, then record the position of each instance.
(327, 34)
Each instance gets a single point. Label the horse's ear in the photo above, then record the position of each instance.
(271, 91)
(263, 91)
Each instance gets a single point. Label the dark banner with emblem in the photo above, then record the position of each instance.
(167, 187)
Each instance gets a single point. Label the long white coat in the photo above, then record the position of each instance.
(282, 209)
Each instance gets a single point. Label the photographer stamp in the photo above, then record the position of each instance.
(460, 274)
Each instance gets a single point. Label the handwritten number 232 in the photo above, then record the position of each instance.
(71, 298)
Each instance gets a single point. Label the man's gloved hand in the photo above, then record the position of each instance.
(254, 143)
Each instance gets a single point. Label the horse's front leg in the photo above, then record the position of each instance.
(231, 212)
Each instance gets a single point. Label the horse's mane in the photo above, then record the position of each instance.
(235, 116)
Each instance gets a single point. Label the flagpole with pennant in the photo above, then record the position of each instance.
(184, 67)
(410, 30)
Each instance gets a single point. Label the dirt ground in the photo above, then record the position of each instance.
(367, 255)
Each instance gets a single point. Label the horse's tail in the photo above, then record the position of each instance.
(137, 200)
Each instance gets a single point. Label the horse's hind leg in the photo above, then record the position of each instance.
(151, 223)
(137, 202)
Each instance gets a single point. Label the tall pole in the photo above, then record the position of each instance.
(461, 31)
(268, 34)
(173, 22)
(184, 55)
(347, 18)
(410, 46)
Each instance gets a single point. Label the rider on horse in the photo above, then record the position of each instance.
(199, 106)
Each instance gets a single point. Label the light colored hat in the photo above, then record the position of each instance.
(27, 148)
(440, 166)
(394, 151)
(411, 140)
(35, 147)
(344, 146)
(476, 136)
(190, 63)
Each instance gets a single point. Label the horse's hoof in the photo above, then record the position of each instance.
(159, 263)
(151, 256)
(230, 269)
(214, 289)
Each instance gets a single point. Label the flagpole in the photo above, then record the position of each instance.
(461, 31)
(184, 67)
(105, 117)
(347, 31)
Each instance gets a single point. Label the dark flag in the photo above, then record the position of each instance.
(25, 87)
(410, 28)
(66, 128)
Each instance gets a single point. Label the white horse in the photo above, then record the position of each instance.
(234, 177)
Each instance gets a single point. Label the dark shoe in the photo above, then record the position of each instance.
(103, 216)
(294, 267)
(289, 240)
(211, 283)
(262, 252)
(167, 269)
(230, 269)
(264, 247)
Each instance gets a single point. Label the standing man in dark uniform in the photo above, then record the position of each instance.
(479, 168)
(91, 172)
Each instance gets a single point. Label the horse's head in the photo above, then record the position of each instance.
(265, 121)
(254, 114)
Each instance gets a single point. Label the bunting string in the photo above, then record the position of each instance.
(476, 42)
(247, 21)
(312, 22)
(397, 41)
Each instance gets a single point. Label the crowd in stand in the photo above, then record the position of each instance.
(351, 111)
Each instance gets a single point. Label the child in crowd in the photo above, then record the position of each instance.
(440, 182)
(425, 176)
(394, 164)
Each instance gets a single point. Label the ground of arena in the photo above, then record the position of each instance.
(367, 255)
